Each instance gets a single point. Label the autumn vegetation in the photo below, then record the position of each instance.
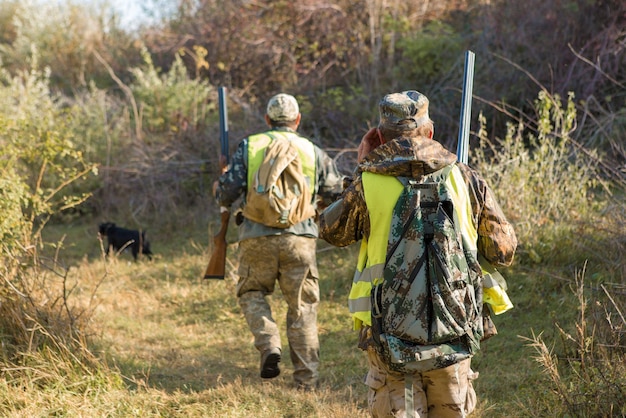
(104, 120)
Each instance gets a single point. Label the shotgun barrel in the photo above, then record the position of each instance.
(466, 108)
(223, 108)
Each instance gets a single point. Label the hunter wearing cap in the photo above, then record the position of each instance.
(402, 146)
(287, 256)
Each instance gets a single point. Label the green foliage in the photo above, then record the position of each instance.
(41, 167)
(553, 185)
(100, 123)
(172, 99)
(65, 34)
(13, 197)
(26, 95)
(428, 53)
(40, 160)
(63, 37)
(7, 29)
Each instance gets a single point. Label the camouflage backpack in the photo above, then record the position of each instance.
(280, 195)
(427, 310)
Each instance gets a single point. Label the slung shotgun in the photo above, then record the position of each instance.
(494, 284)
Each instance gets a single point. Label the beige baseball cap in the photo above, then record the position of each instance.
(283, 108)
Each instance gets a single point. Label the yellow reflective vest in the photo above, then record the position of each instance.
(381, 194)
(256, 150)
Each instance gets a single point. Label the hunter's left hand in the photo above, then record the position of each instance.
(223, 164)
(369, 141)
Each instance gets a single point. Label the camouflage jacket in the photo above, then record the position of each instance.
(346, 221)
(233, 185)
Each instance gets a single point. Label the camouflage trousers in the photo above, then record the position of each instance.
(290, 261)
(440, 393)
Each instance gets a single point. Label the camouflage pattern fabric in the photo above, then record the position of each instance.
(347, 221)
(431, 294)
(428, 265)
(288, 260)
(442, 393)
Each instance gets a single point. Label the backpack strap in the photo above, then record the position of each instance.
(445, 172)
(269, 133)
(409, 403)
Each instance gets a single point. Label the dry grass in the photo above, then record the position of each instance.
(157, 340)
(153, 339)
(168, 343)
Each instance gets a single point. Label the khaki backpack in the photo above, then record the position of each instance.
(280, 195)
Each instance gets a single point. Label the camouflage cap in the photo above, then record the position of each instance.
(283, 108)
(403, 111)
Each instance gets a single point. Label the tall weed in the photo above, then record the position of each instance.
(585, 369)
(544, 186)
(566, 215)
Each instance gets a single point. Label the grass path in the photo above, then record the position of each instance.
(182, 348)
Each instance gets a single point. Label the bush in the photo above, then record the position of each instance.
(41, 163)
(157, 159)
(40, 173)
(553, 184)
(172, 101)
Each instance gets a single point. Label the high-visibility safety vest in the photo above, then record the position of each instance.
(256, 151)
(381, 194)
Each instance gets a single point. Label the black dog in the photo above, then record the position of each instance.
(120, 238)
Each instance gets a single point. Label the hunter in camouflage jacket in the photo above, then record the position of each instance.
(402, 146)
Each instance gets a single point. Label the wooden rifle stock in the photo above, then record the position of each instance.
(217, 264)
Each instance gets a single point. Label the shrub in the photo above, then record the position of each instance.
(151, 143)
(171, 101)
(554, 186)
(40, 161)
(40, 170)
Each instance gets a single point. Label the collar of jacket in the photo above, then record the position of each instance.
(283, 129)
(407, 157)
